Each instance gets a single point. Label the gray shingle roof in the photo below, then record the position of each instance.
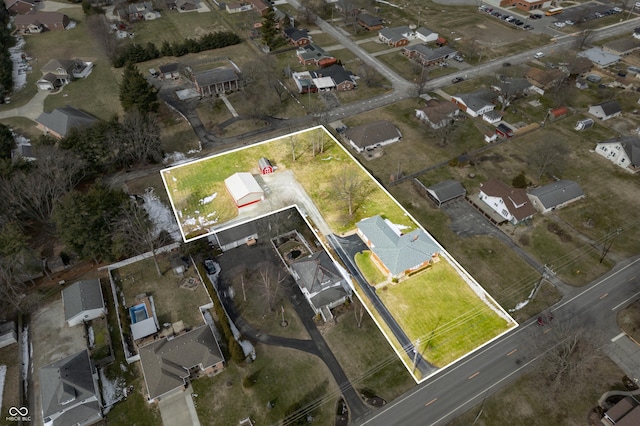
(372, 133)
(478, 99)
(610, 107)
(215, 76)
(557, 193)
(631, 146)
(317, 272)
(61, 120)
(447, 190)
(399, 253)
(166, 363)
(66, 385)
(82, 296)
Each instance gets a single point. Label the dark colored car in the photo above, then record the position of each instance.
(457, 80)
(210, 266)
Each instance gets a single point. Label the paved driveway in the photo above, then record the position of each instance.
(179, 409)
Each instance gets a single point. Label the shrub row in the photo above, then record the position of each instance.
(135, 53)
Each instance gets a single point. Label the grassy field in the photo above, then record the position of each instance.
(368, 268)
(287, 378)
(532, 403)
(188, 184)
(440, 309)
(366, 357)
(172, 302)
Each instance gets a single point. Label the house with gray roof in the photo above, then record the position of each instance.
(170, 363)
(69, 391)
(622, 151)
(437, 114)
(427, 56)
(555, 195)
(476, 103)
(599, 57)
(372, 135)
(37, 21)
(369, 22)
(606, 110)
(59, 72)
(321, 282)
(296, 36)
(60, 121)
(397, 254)
(312, 54)
(216, 81)
(342, 80)
(622, 46)
(444, 191)
(397, 36)
(235, 236)
(83, 301)
(8, 334)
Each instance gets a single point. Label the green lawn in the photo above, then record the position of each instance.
(188, 184)
(366, 356)
(368, 268)
(438, 307)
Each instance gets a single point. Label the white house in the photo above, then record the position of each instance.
(476, 103)
(555, 195)
(510, 203)
(426, 35)
(83, 301)
(606, 110)
(372, 135)
(623, 152)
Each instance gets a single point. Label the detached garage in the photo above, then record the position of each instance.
(244, 189)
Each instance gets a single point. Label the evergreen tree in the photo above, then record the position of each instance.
(235, 350)
(268, 29)
(7, 143)
(136, 93)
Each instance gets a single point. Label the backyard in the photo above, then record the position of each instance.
(197, 189)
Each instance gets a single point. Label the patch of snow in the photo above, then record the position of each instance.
(519, 306)
(209, 199)
(26, 357)
(160, 215)
(327, 158)
(174, 178)
(20, 66)
(112, 391)
(175, 158)
(3, 374)
(123, 367)
(92, 337)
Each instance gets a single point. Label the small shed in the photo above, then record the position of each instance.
(265, 166)
(559, 112)
(444, 191)
(244, 189)
(504, 131)
(585, 124)
(83, 301)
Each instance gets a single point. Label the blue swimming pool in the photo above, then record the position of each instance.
(138, 313)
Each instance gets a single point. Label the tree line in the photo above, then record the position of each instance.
(62, 195)
(134, 53)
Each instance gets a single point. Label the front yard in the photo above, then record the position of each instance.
(439, 309)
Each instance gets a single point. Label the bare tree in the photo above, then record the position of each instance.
(99, 29)
(135, 232)
(33, 192)
(17, 264)
(350, 186)
(549, 156)
(369, 75)
(583, 37)
(443, 133)
(137, 139)
(270, 285)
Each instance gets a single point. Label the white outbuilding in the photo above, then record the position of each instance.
(244, 189)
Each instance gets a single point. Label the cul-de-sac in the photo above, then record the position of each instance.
(323, 212)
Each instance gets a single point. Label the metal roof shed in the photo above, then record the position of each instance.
(244, 189)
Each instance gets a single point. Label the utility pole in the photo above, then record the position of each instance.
(416, 349)
(244, 294)
(607, 244)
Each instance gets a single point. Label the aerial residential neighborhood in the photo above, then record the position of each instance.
(331, 212)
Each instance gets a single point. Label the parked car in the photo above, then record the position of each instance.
(457, 80)
(570, 22)
(458, 58)
(210, 266)
(560, 24)
(538, 55)
(528, 27)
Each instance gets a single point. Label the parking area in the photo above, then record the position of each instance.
(466, 221)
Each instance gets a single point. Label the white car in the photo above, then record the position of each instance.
(638, 4)
(538, 55)
(560, 24)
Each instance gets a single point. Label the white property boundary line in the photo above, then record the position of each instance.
(471, 282)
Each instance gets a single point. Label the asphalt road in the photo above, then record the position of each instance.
(458, 388)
